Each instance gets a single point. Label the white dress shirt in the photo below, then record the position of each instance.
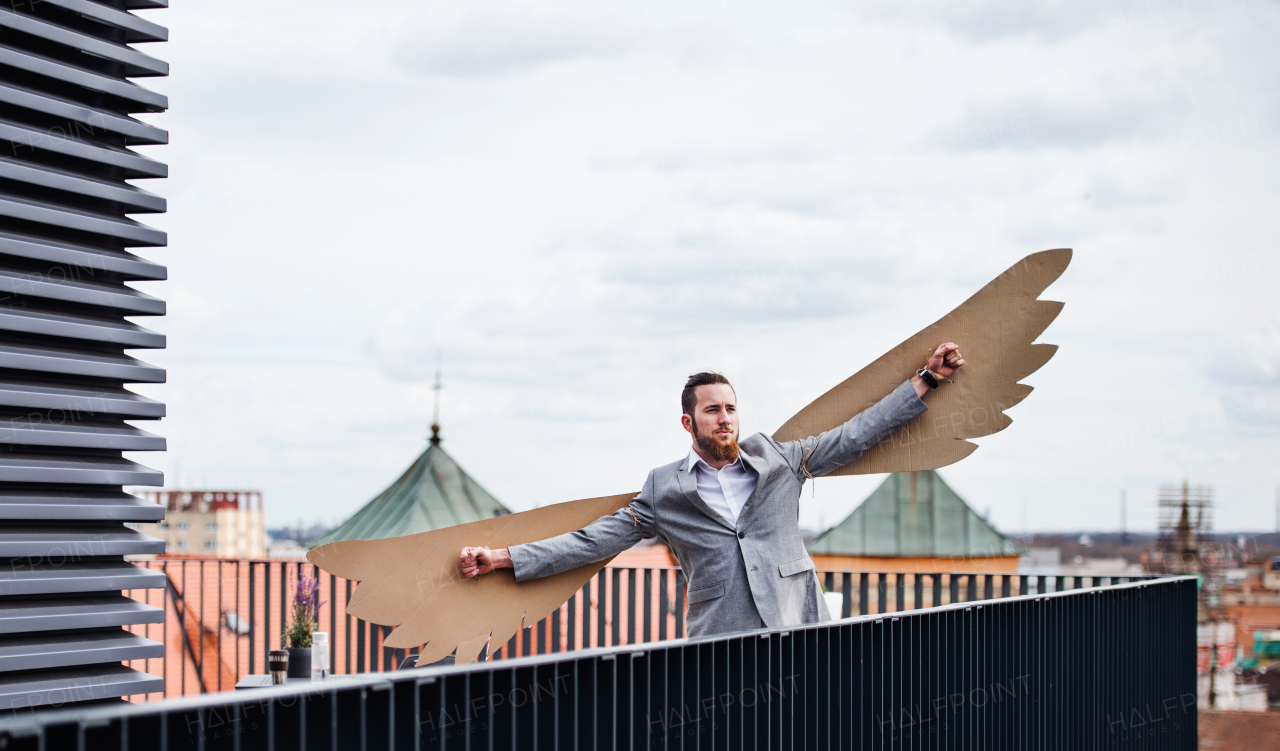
(725, 491)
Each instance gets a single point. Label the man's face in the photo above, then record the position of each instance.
(714, 424)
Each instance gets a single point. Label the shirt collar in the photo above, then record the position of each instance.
(694, 460)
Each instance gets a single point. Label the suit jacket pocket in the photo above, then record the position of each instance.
(791, 568)
(709, 592)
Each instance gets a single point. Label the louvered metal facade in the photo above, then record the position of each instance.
(66, 274)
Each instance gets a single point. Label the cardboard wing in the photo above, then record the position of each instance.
(995, 329)
(415, 582)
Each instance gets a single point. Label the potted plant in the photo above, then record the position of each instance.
(298, 636)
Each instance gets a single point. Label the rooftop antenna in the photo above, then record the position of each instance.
(435, 415)
(1124, 513)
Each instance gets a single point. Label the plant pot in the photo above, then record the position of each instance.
(300, 662)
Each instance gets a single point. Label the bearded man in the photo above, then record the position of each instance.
(729, 511)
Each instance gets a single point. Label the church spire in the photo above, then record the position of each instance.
(435, 416)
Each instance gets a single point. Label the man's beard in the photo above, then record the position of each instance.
(720, 452)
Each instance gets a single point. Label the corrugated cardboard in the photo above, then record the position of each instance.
(995, 329)
(415, 582)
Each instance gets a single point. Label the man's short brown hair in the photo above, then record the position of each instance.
(689, 399)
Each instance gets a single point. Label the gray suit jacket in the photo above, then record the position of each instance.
(752, 576)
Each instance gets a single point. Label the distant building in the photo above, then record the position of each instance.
(209, 523)
(433, 493)
(915, 522)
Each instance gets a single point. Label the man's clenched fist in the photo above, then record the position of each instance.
(477, 561)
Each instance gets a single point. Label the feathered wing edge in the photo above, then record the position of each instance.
(415, 583)
(995, 329)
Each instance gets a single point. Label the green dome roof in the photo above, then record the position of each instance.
(914, 514)
(433, 493)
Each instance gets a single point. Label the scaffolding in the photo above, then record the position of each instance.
(1185, 540)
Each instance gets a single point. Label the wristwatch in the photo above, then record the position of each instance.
(927, 376)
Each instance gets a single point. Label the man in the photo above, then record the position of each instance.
(729, 510)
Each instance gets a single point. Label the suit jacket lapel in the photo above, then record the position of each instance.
(689, 486)
(759, 466)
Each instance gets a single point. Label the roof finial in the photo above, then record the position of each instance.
(435, 416)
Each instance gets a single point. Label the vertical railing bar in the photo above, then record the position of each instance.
(553, 645)
(284, 602)
(571, 628)
(602, 612)
(359, 645)
(333, 621)
(615, 605)
(662, 605)
(346, 628)
(648, 605)
(631, 606)
(526, 641)
(681, 585)
(219, 626)
(253, 621)
(846, 589)
(182, 624)
(586, 615)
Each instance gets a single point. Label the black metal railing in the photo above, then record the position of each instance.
(1099, 667)
(223, 616)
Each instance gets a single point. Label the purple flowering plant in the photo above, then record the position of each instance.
(306, 606)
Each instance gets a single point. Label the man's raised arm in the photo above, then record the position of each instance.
(601, 539)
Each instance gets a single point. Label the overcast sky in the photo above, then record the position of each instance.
(578, 204)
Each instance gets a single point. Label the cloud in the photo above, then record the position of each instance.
(1049, 21)
(489, 41)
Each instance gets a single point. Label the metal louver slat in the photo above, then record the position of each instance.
(73, 326)
(110, 155)
(67, 217)
(77, 401)
(58, 576)
(131, 198)
(79, 257)
(34, 688)
(141, 99)
(76, 433)
(59, 650)
(76, 469)
(59, 614)
(77, 505)
(65, 622)
(116, 296)
(136, 29)
(138, 63)
(73, 362)
(135, 131)
(89, 540)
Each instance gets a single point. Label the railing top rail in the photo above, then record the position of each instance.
(34, 722)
